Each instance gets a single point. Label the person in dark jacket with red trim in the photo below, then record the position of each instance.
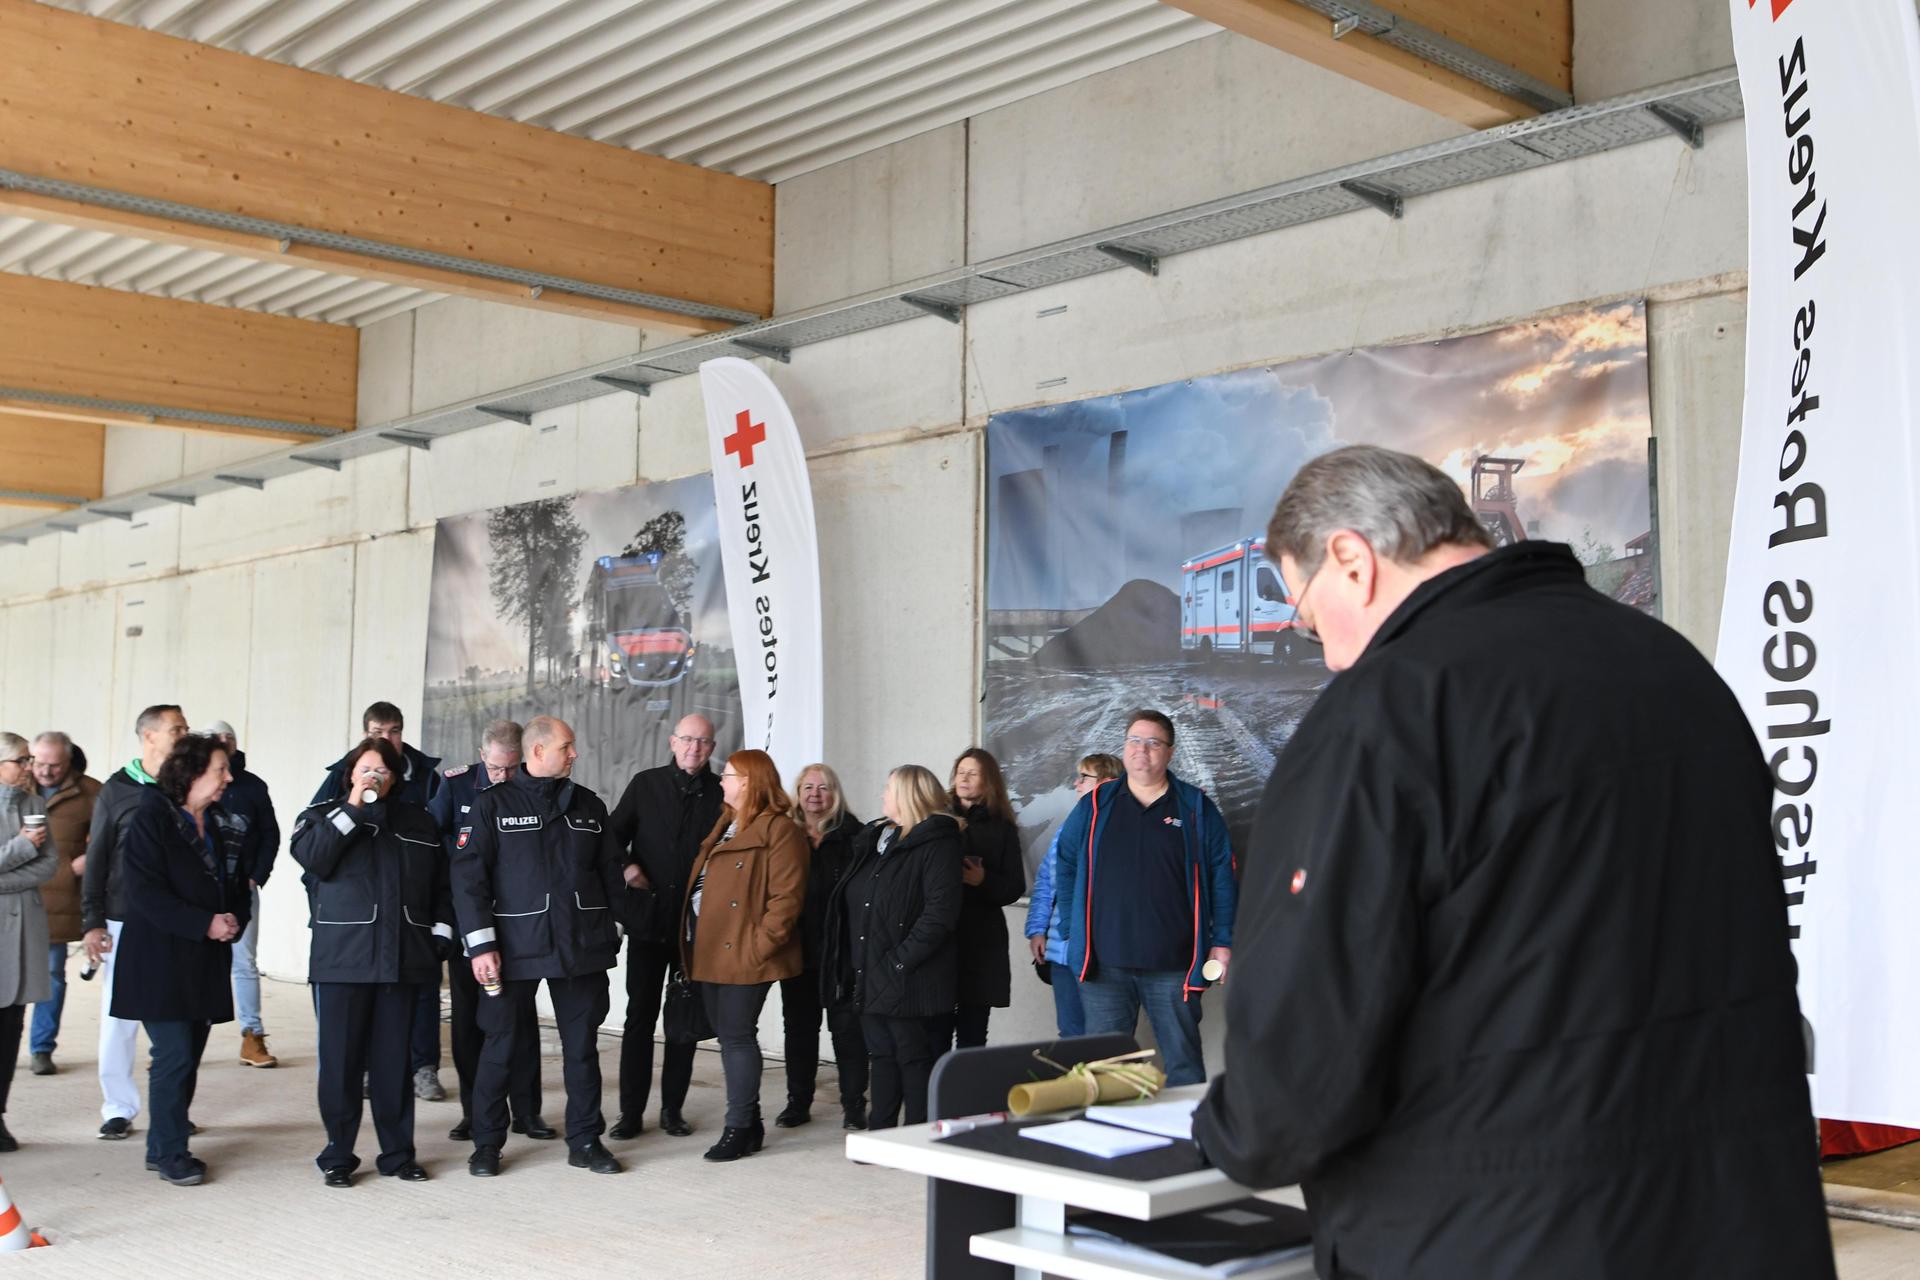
(1525, 1002)
(1145, 870)
(993, 878)
(382, 924)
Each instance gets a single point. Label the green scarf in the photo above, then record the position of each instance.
(138, 772)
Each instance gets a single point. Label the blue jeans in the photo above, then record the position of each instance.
(46, 1014)
(1114, 997)
(1067, 1010)
(246, 974)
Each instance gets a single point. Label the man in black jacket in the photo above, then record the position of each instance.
(1525, 1003)
(249, 809)
(662, 817)
(418, 784)
(535, 877)
(103, 906)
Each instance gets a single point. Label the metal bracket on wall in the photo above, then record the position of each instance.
(1143, 262)
(1391, 203)
(245, 482)
(632, 385)
(325, 464)
(112, 515)
(948, 313)
(35, 495)
(1689, 130)
(414, 440)
(183, 499)
(770, 350)
(505, 415)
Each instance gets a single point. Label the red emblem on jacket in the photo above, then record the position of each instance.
(461, 843)
(1299, 877)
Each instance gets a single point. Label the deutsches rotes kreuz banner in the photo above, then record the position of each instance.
(772, 560)
(1820, 633)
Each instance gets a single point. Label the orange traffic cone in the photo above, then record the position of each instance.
(14, 1235)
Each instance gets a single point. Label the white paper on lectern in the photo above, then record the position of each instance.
(1167, 1119)
(1091, 1139)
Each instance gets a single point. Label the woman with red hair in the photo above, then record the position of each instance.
(740, 930)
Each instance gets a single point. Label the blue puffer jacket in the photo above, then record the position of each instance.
(1209, 873)
(1043, 908)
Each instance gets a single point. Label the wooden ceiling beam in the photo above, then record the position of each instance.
(43, 465)
(226, 134)
(173, 359)
(1533, 37)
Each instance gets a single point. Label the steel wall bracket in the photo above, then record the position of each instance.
(624, 384)
(245, 482)
(1142, 262)
(1391, 203)
(1684, 126)
(950, 314)
(783, 354)
(505, 415)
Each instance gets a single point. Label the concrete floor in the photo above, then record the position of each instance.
(798, 1209)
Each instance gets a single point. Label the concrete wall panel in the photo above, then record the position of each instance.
(81, 676)
(1623, 45)
(26, 656)
(463, 349)
(312, 508)
(391, 579)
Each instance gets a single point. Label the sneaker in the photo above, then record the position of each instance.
(253, 1050)
(182, 1171)
(427, 1087)
(43, 1065)
(116, 1129)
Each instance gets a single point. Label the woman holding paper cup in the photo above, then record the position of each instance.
(889, 944)
(27, 861)
(382, 922)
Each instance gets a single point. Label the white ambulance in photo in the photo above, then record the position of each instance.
(1232, 600)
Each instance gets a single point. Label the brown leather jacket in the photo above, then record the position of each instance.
(750, 903)
(69, 818)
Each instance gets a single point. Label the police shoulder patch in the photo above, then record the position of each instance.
(461, 843)
(456, 771)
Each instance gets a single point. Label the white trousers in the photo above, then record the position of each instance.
(118, 1042)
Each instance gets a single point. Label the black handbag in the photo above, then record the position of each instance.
(683, 1015)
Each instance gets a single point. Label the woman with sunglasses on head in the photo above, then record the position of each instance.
(187, 902)
(991, 871)
(1047, 925)
(28, 859)
(740, 929)
(830, 829)
(889, 945)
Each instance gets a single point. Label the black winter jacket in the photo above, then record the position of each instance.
(418, 785)
(101, 896)
(535, 874)
(659, 824)
(249, 808)
(378, 893)
(986, 975)
(830, 860)
(889, 945)
(166, 968)
(1511, 990)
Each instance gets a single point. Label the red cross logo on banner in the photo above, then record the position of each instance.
(746, 434)
(1779, 7)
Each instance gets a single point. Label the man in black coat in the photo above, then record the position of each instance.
(499, 756)
(418, 784)
(249, 809)
(535, 877)
(1525, 1004)
(662, 817)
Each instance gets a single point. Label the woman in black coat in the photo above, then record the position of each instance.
(993, 876)
(889, 944)
(186, 901)
(830, 830)
(382, 921)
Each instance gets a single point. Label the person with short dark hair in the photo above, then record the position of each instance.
(185, 886)
(249, 808)
(499, 756)
(1522, 999)
(382, 922)
(1145, 870)
(418, 783)
(1047, 926)
(28, 858)
(103, 906)
(992, 877)
(535, 877)
(69, 795)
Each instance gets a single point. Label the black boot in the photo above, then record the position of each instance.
(855, 1113)
(798, 1112)
(759, 1135)
(733, 1144)
(673, 1124)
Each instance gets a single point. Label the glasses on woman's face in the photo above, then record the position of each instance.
(728, 773)
(19, 762)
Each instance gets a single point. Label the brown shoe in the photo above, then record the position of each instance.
(253, 1050)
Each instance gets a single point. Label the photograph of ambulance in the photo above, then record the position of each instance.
(1233, 601)
(642, 634)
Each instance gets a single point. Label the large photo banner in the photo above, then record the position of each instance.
(1822, 608)
(605, 609)
(1125, 549)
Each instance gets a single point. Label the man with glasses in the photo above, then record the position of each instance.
(452, 802)
(659, 823)
(103, 907)
(1525, 1004)
(1145, 869)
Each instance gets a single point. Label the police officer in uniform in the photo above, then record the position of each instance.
(535, 876)
(452, 803)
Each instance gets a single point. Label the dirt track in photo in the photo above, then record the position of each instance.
(1231, 718)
